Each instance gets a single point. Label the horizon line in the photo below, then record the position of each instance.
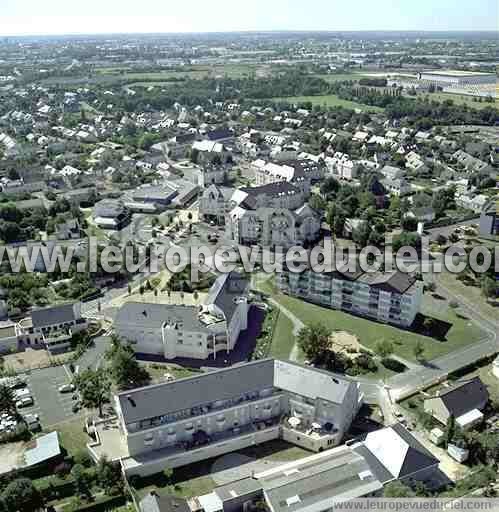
(252, 31)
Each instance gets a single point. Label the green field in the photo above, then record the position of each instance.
(458, 99)
(330, 100)
(341, 77)
(283, 338)
(461, 333)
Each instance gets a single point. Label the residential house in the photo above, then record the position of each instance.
(397, 186)
(68, 230)
(393, 454)
(52, 328)
(464, 400)
(392, 173)
(423, 214)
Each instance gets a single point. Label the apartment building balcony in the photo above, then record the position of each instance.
(201, 410)
(206, 447)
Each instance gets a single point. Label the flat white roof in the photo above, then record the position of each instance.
(456, 72)
(211, 502)
(469, 417)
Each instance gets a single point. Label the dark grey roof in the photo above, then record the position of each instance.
(111, 208)
(219, 134)
(397, 282)
(53, 315)
(403, 458)
(270, 189)
(378, 470)
(181, 394)
(417, 457)
(226, 291)
(168, 397)
(464, 396)
(156, 503)
(185, 138)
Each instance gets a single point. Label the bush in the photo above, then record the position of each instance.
(82, 457)
(62, 469)
(393, 364)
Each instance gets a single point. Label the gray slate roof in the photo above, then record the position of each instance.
(168, 397)
(54, 315)
(464, 396)
(225, 291)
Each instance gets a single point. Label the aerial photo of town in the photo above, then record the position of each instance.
(249, 256)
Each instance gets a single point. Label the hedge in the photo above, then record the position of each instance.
(99, 505)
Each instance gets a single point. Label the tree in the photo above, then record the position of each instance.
(429, 324)
(21, 495)
(489, 287)
(109, 476)
(431, 286)
(441, 239)
(314, 340)
(450, 429)
(397, 489)
(384, 348)
(81, 480)
(330, 187)
(361, 234)
(94, 387)
(418, 351)
(7, 400)
(124, 368)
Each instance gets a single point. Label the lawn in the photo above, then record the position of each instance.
(471, 293)
(72, 437)
(283, 338)
(458, 99)
(157, 371)
(460, 334)
(330, 100)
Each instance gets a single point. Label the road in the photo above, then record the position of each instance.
(447, 230)
(435, 371)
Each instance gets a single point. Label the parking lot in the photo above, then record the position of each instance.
(51, 405)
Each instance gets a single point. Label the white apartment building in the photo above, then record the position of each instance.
(393, 298)
(300, 173)
(342, 166)
(177, 423)
(197, 332)
(271, 215)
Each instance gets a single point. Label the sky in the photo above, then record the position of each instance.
(37, 17)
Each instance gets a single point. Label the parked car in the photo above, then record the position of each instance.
(25, 402)
(67, 388)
